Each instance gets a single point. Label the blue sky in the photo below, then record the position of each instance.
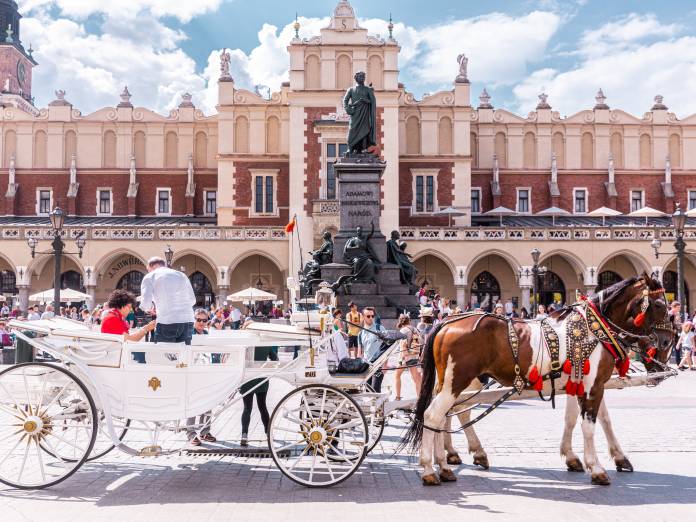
(568, 48)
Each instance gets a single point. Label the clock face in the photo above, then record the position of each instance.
(21, 73)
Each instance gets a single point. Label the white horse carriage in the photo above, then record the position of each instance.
(55, 416)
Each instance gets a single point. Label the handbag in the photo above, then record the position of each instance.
(6, 340)
(354, 366)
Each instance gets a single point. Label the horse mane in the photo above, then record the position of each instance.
(604, 299)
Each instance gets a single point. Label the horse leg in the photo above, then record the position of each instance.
(573, 462)
(475, 447)
(453, 457)
(620, 459)
(433, 444)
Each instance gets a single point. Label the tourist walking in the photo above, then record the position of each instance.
(235, 317)
(686, 346)
(371, 344)
(541, 312)
(200, 327)
(169, 294)
(261, 353)
(355, 320)
(409, 354)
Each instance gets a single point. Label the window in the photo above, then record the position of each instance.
(523, 203)
(333, 151)
(637, 200)
(425, 193)
(475, 200)
(580, 200)
(104, 201)
(44, 201)
(164, 201)
(692, 199)
(210, 202)
(263, 193)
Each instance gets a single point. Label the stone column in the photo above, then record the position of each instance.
(23, 292)
(223, 292)
(526, 297)
(91, 300)
(461, 296)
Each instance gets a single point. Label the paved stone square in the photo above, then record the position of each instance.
(527, 480)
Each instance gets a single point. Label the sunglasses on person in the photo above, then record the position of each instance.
(200, 320)
(369, 316)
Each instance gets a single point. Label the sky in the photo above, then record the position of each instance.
(632, 49)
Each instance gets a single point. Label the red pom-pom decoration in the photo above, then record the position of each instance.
(623, 367)
(571, 387)
(534, 375)
(580, 390)
(567, 366)
(539, 385)
(651, 352)
(639, 319)
(586, 367)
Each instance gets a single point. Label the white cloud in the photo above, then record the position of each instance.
(630, 70)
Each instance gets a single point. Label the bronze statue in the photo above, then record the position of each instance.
(360, 104)
(359, 254)
(396, 254)
(324, 254)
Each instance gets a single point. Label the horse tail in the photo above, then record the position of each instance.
(414, 435)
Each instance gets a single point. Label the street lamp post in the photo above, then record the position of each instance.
(678, 223)
(169, 256)
(537, 271)
(57, 220)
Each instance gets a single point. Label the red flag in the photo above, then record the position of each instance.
(290, 227)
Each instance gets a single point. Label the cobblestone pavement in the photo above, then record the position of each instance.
(527, 480)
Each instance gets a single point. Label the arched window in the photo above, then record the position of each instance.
(72, 280)
(617, 150)
(552, 290)
(606, 279)
(501, 149)
(444, 135)
(69, 147)
(171, 146)
(559, 149)
(10, 146)
(200, 158)
(202, 289)
(109, 144)
(344, 72)
(273, 135)
(40, 145)
(139, 149)
(675, 151)
(131, 282)
(8, 282)
(529, 154)
(473, 138)
(241, 134)
(312, 72)
(413, 137)
(669, 282)
(374, 72)
(587, 151)
(485, 291)
(645, 145)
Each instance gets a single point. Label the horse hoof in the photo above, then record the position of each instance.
(624, 465)
(431, 480)
(601, 479)
(453, 459)
(482, 461)
(575, 465)
(447, 475)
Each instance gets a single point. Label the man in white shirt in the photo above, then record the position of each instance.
(235, 317)
(169, 294)
(34, 314)
(48, 313)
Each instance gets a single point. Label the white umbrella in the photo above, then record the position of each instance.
(604, 213)
(500, 211)
(66, 294)
(691, 213)
(451, 211)
(251, 294)
(647, 212)
(553, 212)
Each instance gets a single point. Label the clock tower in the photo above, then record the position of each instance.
(16, 63)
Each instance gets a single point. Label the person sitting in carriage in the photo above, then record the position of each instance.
(121, 304)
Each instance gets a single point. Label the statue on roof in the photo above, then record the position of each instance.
(360, 104)
(463, 62)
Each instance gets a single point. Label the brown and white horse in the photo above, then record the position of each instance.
(460, 349)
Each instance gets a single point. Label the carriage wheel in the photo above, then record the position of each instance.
(43, 406)
(376, 429)
(103, 443)
(318, 436)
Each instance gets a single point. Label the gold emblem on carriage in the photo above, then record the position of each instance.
(154, 383)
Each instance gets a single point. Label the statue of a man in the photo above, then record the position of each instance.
(360, 104)
(359, 254)
(397, 255)
(324, 254)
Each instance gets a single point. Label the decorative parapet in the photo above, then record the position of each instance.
(325, 207)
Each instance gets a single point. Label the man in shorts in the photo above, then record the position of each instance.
(356, 318)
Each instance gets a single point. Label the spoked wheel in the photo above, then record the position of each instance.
(375, 423)
(48, 425)
(103, 443)
(318, 436)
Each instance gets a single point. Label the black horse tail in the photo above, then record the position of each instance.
(414, 435)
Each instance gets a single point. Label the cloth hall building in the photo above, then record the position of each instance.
(219, 188)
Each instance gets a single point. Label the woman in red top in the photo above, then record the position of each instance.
(120, 305)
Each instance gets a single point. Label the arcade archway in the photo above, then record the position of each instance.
(437, 273)
(485, 291)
